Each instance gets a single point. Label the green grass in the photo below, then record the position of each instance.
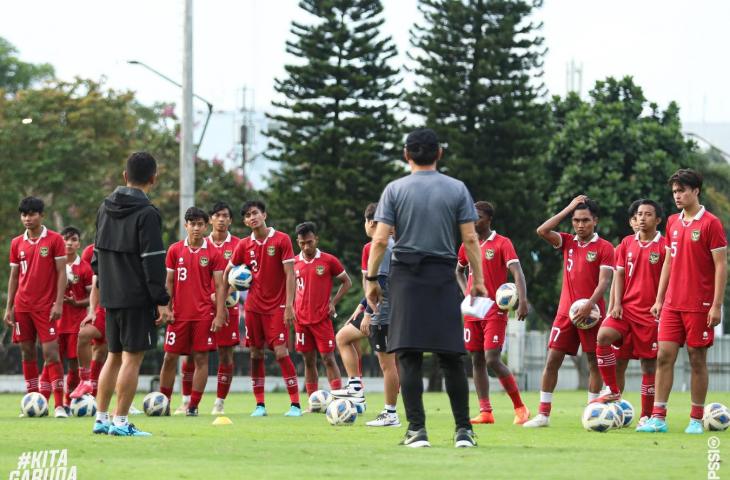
(308, 447)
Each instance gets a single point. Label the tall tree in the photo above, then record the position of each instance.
(16, 74)
(335, 136)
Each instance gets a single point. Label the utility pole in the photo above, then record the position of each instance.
(187, 160)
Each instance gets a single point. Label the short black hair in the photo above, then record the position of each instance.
(141, 167)
(31, 205)
(589, 205)
(370, 211)
(634, 207)
(195, 213)
(305, 228)
(657, 208)
(485, 207)
(422, 146)
(218, 206)
(70, 231)
(251, 204)
(686, 177)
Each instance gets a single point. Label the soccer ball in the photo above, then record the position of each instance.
(320, 400)
(589, 322)
(628, 410)
(84, 406)
(232, 299)
(716, 417)
(618, 414)
(341, 412)
(34, 404)
(598, 417)
(240, 277)
(360, 407)
(155, 404)
(506, 296)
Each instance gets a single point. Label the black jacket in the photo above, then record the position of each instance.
(128, 253)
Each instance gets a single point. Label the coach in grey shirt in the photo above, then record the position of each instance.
(429, 211)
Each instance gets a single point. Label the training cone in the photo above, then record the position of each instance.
(222, 421)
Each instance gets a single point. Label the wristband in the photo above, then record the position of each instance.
(374, 278)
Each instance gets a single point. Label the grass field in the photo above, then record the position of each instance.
(308, 447)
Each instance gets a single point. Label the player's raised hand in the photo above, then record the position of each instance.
(56, 312)
(9, 317)
(714, 316)
(656, 310)
(577, 201)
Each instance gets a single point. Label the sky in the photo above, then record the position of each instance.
(675, 49)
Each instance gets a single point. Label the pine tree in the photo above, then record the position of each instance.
(335, 135)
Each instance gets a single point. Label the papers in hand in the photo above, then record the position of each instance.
(479, 308)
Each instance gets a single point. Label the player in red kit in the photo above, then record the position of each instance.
(588, 264)
(36, 287)
(75, 300)
(193, 267)
(484, 338)
(638, 268)
(269, 307)
(314, 307)
(690, 297)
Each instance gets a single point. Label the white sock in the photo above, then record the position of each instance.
(102, 417)
(592, 396)
(186, 399)
(120, 420)
(219, 401)
(390, 408)
(546, 397)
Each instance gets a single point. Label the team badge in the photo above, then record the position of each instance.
(271, 251)
(44, 251)
(203, 261)
(654, 258)
(695, 235)
(591, 256)
(75, 279)
(489, 254)
(227, 254)
(320, 269)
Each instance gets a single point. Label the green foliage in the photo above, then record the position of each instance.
(18, 75)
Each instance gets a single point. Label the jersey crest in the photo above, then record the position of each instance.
(653, 258)
(591, 256)
(320, 270)
(695, 235)
(489, 253)
(203, 261)
(227, 254)
(271, 251)
(44, 250)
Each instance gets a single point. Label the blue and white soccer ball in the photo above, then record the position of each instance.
(83, 406)
(506, 296)
(232, 299)
(598, 417)
(587, 323)
(360, 407)
(618, 414)
(240, 278)
(34, 404)
(155, 404)
(341, 412)
(320, 400)
(716, 417)
(628, 411)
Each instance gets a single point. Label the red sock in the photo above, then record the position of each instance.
(94, 374)
(188, 370)
(55, 373)
(544, 408)
(166, 391)
(336, 384)
(72, 381)
(485, 405)
(510, 386)
(30, 373)
(659, 411)
(647, 395)
(607, 366)
(84, 373)
(45, 383)
(195, 397)
(290, 378)
(258, 376)
(697, 412)
(225, 376)
(311, 387)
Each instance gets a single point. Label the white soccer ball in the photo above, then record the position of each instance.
(628, 410)
(83, 406)
(506, 296)
(618, 415)
(34, 404)
(240, 277)
(320, 400)
(598, 417)
(341, 412)
(155, 404)
(716, 417)
(232, 299)
(589, 322)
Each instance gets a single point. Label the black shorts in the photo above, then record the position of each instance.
(131, 329)
(379, 337)
(357, 321)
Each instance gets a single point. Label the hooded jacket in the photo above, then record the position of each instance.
(129, 257)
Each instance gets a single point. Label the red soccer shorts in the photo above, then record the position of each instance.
(481, 335)
(68, 345)
(266, 329)
(229, 336)
(566, 337)
(678, 327)
(184, 337)
(100, 324)
(639, 339)
(320, 335)
(29, 325)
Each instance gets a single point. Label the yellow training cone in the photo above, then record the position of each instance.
(222, 421)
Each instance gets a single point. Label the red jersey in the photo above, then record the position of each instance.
(692, 277)
(365, 257)
(226, 250)
(642, 265)
(498, 254)
(36, 260)
(266, 261)
(314, 285)
(79, 276)
(581, 269)
(193, 279)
